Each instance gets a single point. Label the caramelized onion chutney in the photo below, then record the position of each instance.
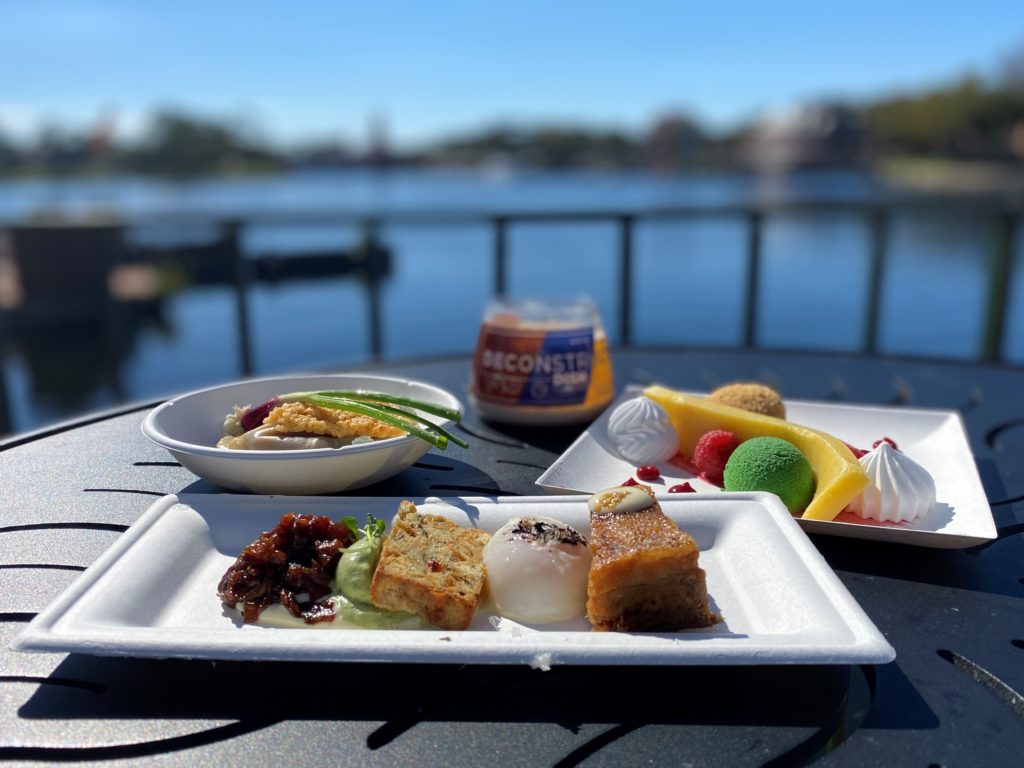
(292, 565)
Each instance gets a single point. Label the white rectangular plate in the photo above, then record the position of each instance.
(154, 593)
(935, 439)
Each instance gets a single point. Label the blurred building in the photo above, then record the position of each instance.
(815, 136)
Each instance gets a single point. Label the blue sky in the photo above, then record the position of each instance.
(314, 70)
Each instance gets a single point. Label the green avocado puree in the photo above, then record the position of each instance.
(352, 582)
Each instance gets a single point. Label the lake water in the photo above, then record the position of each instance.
(688, 274)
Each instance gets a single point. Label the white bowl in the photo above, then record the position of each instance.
(189, 427)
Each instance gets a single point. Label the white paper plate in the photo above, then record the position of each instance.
(154, 593)
(189, 426)
(933, 438)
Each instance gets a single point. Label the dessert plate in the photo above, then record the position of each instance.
(935, 439)
(154, 593)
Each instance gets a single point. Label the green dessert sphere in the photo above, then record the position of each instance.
(774, 465)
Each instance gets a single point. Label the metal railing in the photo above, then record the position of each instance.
(1003, 219)
(370, 260)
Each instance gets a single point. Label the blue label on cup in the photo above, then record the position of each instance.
(559, 372)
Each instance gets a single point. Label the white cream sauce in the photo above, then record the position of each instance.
(623, 498)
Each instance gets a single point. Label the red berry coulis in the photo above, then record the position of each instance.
(682, 488)
(648, 472)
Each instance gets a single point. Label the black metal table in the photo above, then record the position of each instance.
(955, 618)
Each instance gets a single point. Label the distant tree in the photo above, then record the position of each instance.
(969, 119)
(58, 150)
(674, 142)
(182, 145)
(10, 158)
(543, 147)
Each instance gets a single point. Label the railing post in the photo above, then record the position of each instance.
(232, 231)
(6, 424)
(1000, 273)
(625, 279)
(374, 266)
(878, 221)
(755, 220)
(500, 227)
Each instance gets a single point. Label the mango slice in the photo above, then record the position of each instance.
(839, 477)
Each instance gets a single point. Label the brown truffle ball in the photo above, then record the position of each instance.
(756, 398)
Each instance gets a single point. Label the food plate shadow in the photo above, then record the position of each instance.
(993, 571)
(456, 693)
(554, 438)
(898, 705)
(428, 481)
(940, 516)
(418, 481)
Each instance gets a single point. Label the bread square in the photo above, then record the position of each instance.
(431, 567)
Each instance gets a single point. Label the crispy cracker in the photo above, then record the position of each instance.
(292, 418)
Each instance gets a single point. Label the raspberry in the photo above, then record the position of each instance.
(684, 488)
(713, 451)
(857, 452)
(888, 440)
(631, 481)
(648, 472)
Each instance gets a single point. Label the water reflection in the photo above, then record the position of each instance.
(73, 311)
(85, 300)
(75, 362)
(116, 325)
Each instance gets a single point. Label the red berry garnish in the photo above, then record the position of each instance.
(713, 451)
(683, 488)
(648, 472)
(254, 416)
(888, 440)
(631, 481)
(857, 452)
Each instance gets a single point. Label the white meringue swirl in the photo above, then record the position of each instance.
(642, 432)
(901, 490)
